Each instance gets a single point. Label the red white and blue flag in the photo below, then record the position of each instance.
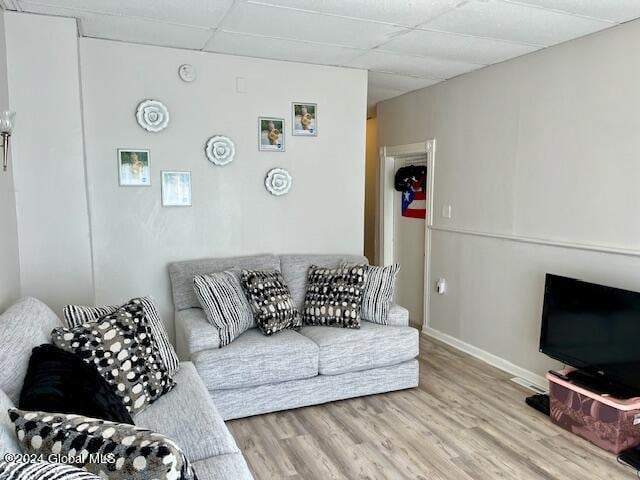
(414, 202)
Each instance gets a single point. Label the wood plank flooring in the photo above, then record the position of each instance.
(465, 421)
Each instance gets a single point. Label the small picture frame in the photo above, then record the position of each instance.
(271, 134)
(134, 167)
(305, 119)
(176, 188)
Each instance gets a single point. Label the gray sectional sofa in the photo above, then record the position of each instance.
(186, 414)
(257, 374)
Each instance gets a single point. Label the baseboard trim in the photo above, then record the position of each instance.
(487, 357)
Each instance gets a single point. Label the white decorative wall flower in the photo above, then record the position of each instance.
(152, 115)
(220, 150)
(278, 181)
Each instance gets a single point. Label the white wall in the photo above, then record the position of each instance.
(9, 262)
(542, 146)
(48, 159)
(135, 238)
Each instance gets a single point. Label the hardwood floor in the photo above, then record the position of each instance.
(465, 421)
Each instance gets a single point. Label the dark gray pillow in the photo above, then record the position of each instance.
(121, 347)
(113, 450)
(334, 296)
(270, 300)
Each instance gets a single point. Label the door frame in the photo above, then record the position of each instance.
(386, 208)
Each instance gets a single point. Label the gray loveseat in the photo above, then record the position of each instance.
(257, 374)
(186, 414)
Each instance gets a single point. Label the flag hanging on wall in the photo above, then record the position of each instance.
(414, 204)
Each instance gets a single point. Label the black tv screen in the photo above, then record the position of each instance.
(593, 328)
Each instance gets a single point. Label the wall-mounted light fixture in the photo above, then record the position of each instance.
(7, 122)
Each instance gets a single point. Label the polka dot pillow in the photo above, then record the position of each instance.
(110, 450)
(121, 347)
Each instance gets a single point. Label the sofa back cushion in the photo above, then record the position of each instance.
(8, 440)
(182, 273)
(294, 270)
(25, 325)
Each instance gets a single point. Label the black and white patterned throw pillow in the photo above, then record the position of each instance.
(121, 347)
(333, 296)
(22, 470)
(377, 295)
(75, 315)
(224, 304)
(110, 450)
(270, 300)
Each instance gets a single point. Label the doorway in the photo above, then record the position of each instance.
(404, 236)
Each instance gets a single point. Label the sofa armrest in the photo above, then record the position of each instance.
(398, 316)
(194, 333)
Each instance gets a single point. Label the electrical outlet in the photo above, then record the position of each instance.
(446, 211)
(241, 85)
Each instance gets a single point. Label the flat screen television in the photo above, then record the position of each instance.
(593, 328)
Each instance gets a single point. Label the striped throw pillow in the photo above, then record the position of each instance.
(377, 296)
(224, 304)
(75, 315)
(43, 471)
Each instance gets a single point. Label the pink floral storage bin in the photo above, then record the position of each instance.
(609, 423)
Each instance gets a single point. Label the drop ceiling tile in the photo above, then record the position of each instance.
(298, 25)
(614, 10)
(456, 47)
(514, 22)
(428, 67)
(204, 13)
(403, 83)
(401, 12)
(133, 30)
(280, 49)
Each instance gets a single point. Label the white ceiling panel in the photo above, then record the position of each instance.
(400, 83)
(280, 49)
(515, 22)
(400, 12)
(133, 30)
(614, 10)
(456, 47)
(204, 13)
(298, 25)
(429, 67)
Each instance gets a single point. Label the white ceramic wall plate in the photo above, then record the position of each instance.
(278, 181)
(220, 150)
(152, 115)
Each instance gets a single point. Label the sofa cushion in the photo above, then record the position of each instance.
(345, 350)
(270, 301)
(122, 348)
(75, 315)
(94, 444)
(59, 381)
(294, 269)
(23, 326)
(182, 273)
(8, 441)
(254, 359)
(224, 304)
(334, 296)
(232, 466)
(188, 416)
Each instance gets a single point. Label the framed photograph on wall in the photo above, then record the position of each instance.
(305, 119)
(134, 168)
(176, 188)
(271, 134)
